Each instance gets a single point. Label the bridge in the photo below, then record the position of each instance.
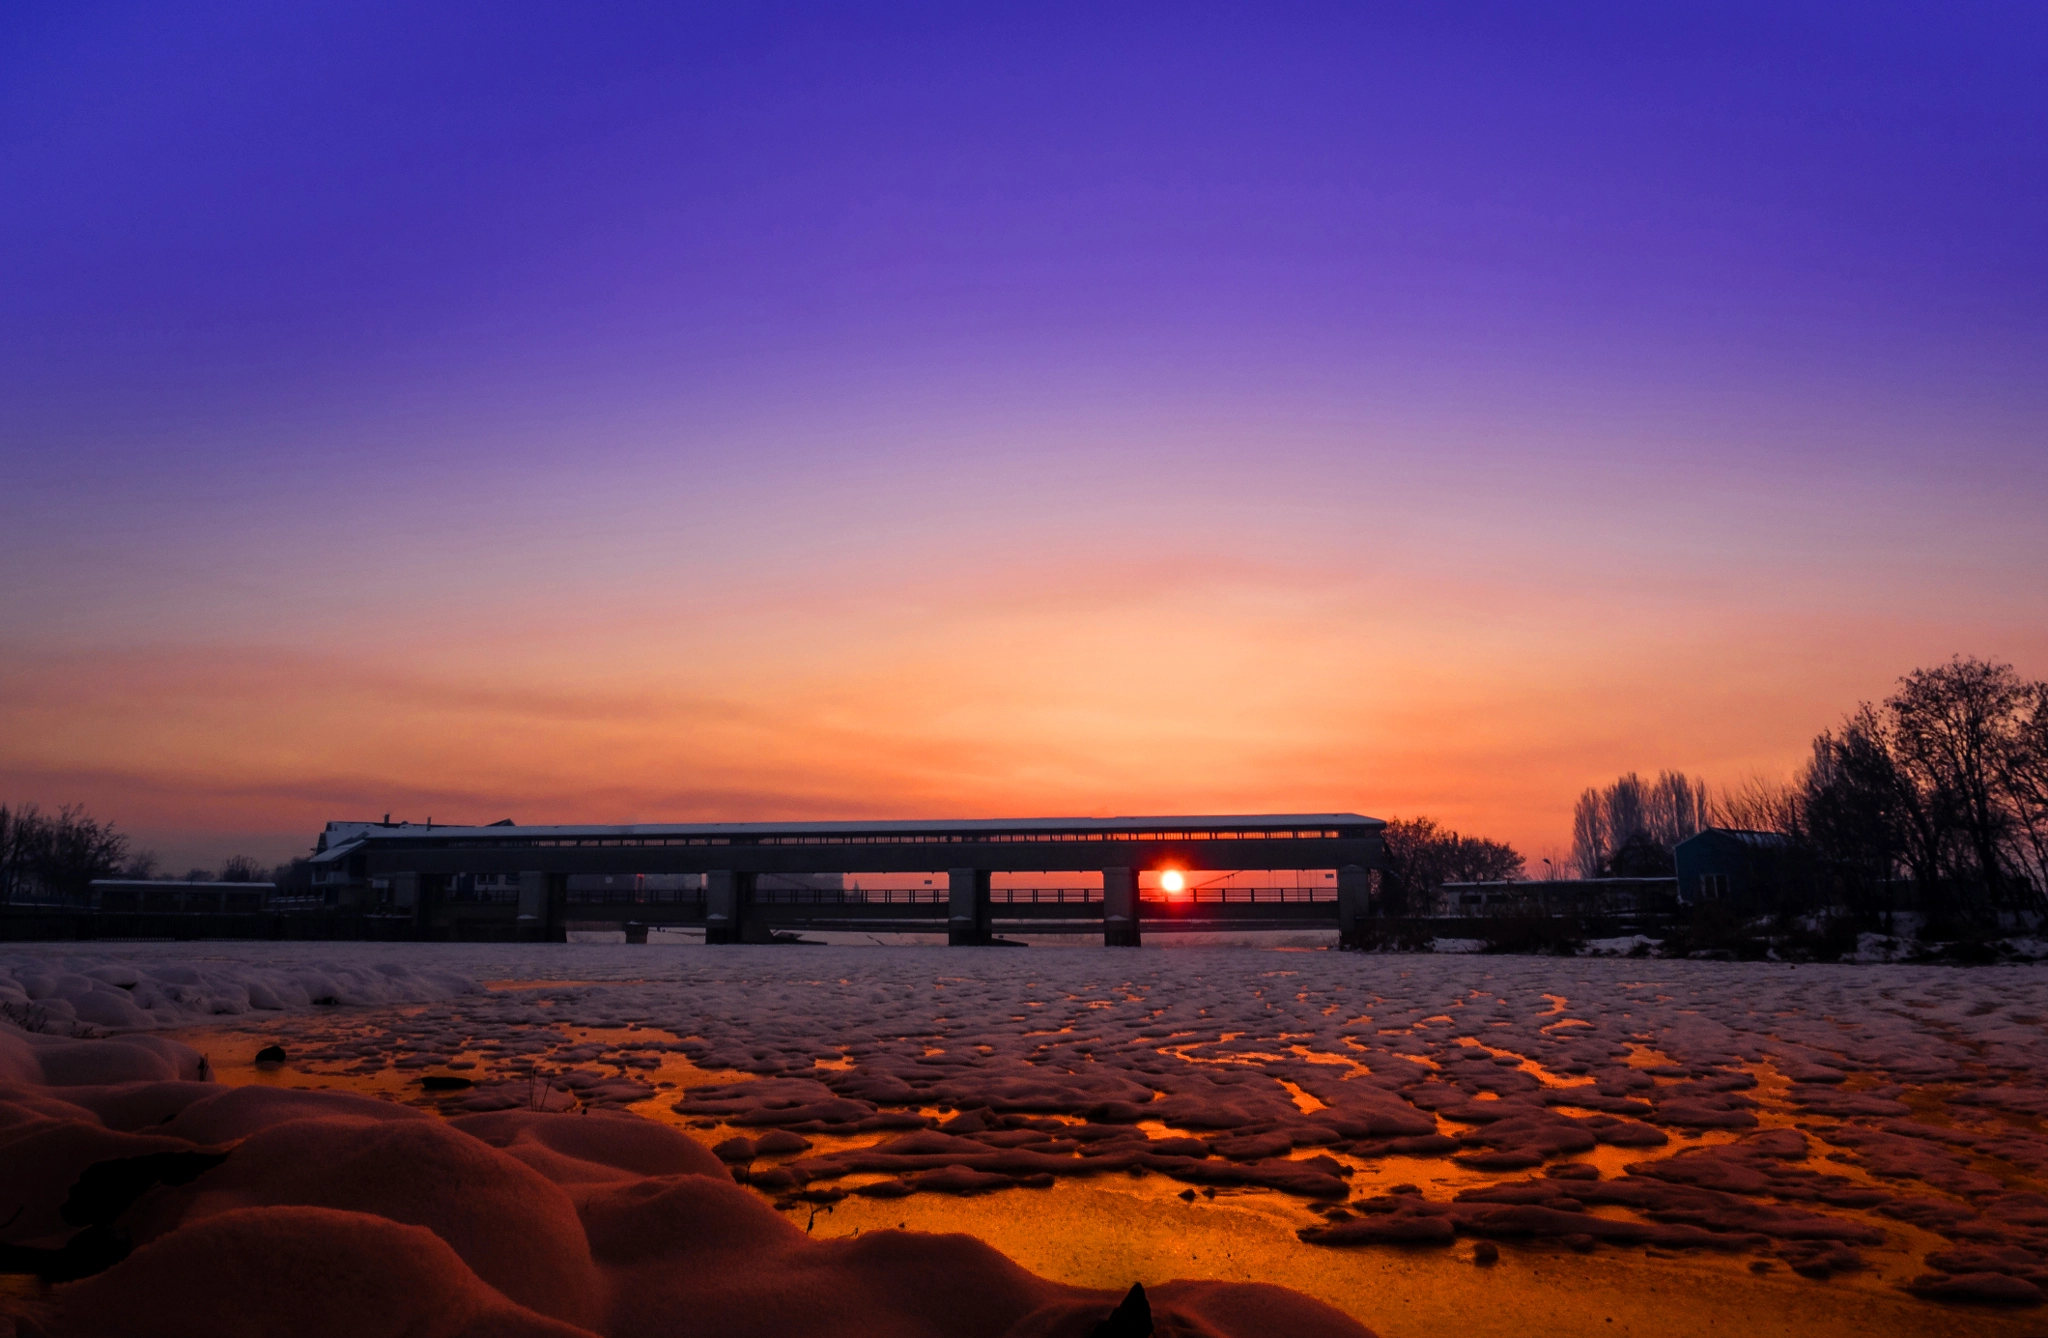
(747, 882)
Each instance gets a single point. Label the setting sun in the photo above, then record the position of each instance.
(1171, 880)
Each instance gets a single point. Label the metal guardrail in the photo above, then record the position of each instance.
(1210, 896)
(862, 896)
(627, 896)
(1033, 896)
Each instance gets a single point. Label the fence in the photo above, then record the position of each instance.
(1032, 896)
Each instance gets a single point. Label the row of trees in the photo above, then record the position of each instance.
(55, 857)
(1938, 796)
(1627, 829)
(1420, 856)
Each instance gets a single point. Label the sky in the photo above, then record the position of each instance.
(751, 411)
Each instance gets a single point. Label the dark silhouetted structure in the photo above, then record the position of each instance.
(724, 876)
(1743, 870)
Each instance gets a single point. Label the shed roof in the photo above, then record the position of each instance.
(1762, 840)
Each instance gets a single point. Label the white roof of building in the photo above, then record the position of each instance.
(182, 885)
(343, 836)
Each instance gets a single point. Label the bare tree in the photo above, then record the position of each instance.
(16, 841)
(241, 869)
(1757, 804)
(1675, 806)
(2022, 781)
(55, 857)
(1943, 782)
(1420, 856)
(1592, 842)
(1638, 816)
(1956, 728)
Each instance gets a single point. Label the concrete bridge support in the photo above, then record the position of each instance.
(967, 907)
(533, 906)
(558, 908)
(1354, 892)
(726, 894)
(429, 891)
(1120, 908)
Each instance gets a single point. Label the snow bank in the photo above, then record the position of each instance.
(131, 991)
(1881, 948)
(1632, 945)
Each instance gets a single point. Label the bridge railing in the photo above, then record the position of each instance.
(938, 896)
(852, 896)
(1034, 896)
(1045, 896)
(628, 896)
(1239, 895)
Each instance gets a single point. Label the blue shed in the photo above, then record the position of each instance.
(1744, 869)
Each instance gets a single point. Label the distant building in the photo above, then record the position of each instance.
(345, 882)
(1743, 869)
(165, 894)
(1558, 896)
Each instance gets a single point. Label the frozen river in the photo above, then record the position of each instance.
(1673, 1146)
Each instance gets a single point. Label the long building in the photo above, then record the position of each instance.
(506, 881)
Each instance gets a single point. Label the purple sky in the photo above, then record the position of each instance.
(749, 410)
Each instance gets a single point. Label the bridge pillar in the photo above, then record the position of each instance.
(967, 906)
(532, 920)
(725, 905)
(554, 925)
(1120, 908)
(1354, 891)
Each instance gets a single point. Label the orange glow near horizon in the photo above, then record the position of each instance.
(977, 680)
(1389, 711)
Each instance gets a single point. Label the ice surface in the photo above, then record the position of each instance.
(1753, 1108)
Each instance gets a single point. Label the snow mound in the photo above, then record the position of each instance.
(1632, 945)
(300, 1214)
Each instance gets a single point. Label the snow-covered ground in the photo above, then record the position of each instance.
(1880, 1124)
(773, 1009)
(61, 987)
